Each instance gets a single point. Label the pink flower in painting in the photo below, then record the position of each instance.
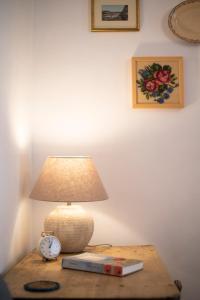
(163, 76)
(151, 85)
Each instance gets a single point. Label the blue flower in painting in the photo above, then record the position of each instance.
(145, 74)
(170, 90)
(166, 96)
(160, 100)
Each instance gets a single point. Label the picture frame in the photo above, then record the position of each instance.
(157, 82)
(115, 15)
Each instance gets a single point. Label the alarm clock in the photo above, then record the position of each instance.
(49, 247)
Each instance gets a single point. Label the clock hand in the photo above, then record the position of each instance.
(50, 244)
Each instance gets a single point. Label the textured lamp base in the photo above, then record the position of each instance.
(72, 226)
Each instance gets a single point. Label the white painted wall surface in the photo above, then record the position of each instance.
(147, 159)
(15, 84)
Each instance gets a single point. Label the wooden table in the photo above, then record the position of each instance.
(153, 282)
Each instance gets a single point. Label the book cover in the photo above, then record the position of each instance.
(99, 263)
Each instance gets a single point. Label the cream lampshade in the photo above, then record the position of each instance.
(69, 179)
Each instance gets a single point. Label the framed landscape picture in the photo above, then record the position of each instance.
(157, 82)
(114, 15)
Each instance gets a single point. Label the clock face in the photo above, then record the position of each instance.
(49, 247)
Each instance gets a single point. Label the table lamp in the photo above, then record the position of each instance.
(69, 179)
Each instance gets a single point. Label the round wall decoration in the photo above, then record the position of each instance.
(184, 21)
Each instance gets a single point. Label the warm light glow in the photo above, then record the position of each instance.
(21, 230)
(83, 125)
(19, 120)
(22, 136)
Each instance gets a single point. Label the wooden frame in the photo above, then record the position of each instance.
(115, 15)
(157, 82)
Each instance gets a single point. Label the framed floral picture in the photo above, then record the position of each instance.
(157, 82)
(114, 15)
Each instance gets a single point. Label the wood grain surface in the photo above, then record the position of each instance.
(153, 282)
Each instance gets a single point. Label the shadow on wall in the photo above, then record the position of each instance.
(21, 227)
(16, 212)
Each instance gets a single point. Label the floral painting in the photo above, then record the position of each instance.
(158, 82)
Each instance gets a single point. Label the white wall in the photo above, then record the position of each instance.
(15, 84)
(148, 159)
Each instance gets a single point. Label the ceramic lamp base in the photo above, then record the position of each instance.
(72, 226)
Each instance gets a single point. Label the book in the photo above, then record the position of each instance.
(98, 263)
